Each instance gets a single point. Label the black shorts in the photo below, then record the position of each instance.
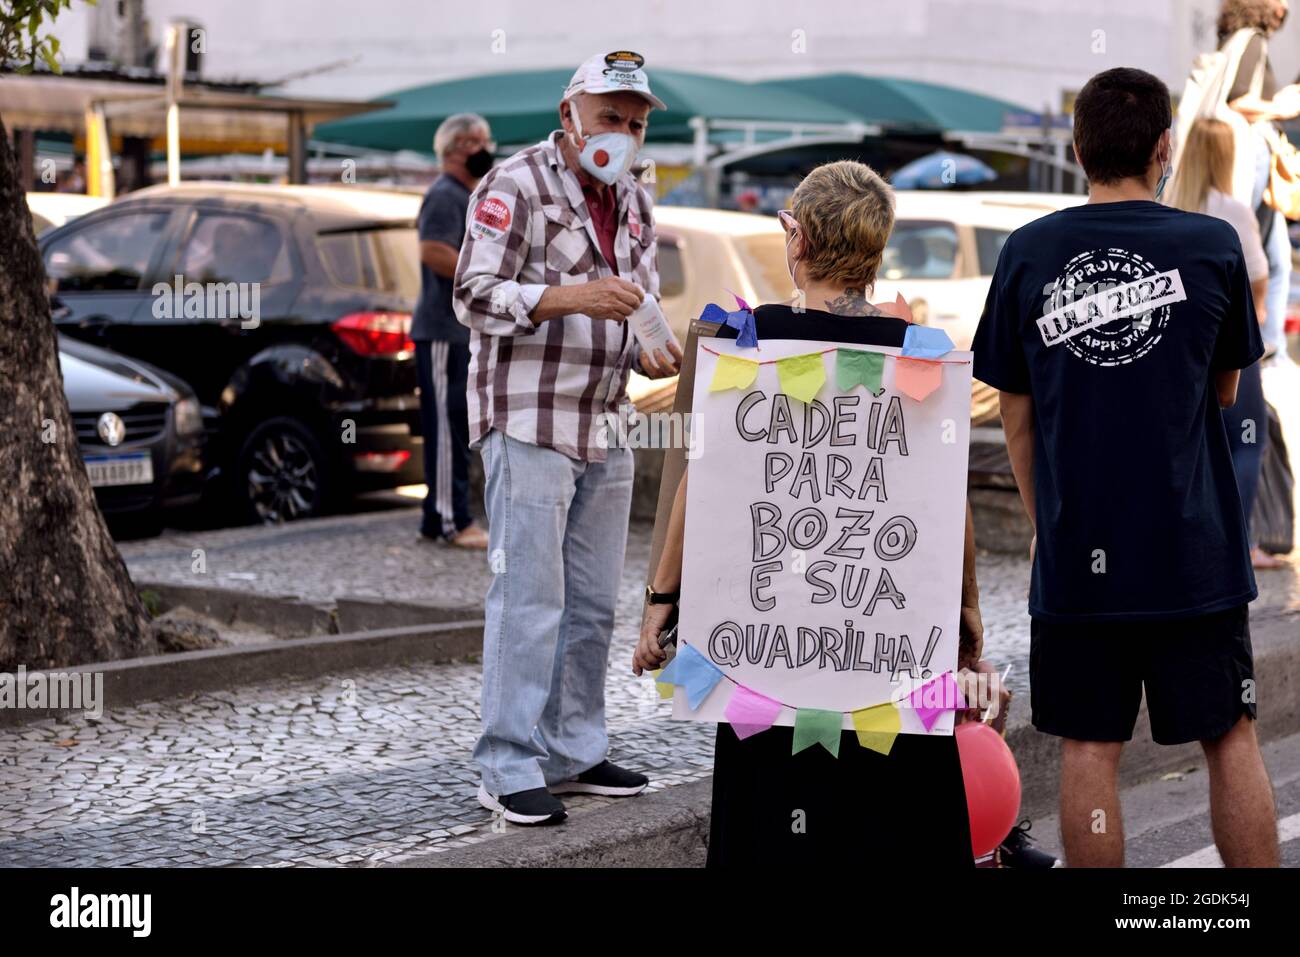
(1086, 678)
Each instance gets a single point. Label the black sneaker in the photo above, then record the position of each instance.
(605, 778)
(1018, 850)
(532, 807)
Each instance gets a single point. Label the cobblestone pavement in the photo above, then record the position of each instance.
(351, 769)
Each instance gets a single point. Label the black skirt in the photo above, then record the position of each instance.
(904, 810)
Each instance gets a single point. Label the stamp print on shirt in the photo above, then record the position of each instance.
(1109, 307)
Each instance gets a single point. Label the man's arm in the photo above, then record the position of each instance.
(1225, 385)
(609, 298)
(487, 295)
(440, 257)
(1018, 426)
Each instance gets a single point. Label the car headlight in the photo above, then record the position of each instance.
(189, 418)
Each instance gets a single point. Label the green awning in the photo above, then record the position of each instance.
(523, 107)
(902, 105)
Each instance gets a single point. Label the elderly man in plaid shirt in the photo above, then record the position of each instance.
(559, 250)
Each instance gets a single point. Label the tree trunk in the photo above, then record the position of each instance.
(65, 596)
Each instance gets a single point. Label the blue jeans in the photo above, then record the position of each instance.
(557, 530)
(1277, 246)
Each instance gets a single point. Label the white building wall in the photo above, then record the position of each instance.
(1025, 51)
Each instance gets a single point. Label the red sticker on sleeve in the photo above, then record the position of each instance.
(491, 219)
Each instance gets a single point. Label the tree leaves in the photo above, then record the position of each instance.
(21, 45)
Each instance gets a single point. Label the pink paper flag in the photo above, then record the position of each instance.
(935, 697)
(740, 303)
(899, 308)
(917, 377)
(750, 712)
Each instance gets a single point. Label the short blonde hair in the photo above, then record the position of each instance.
(846, 213)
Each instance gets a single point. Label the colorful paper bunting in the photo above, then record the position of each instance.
(750, 712)
(935, 697)
(733, 372)
(853, 367)
(802, 376)
(692, 671)
(926, 342)
(917, 378)
(814, 726)
(742, 320)
(877, 727)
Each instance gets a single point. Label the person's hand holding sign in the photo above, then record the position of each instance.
(649, 654)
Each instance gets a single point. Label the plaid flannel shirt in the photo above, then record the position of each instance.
(553, 385)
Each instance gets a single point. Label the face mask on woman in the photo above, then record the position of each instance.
(606, 156)
(790, 224)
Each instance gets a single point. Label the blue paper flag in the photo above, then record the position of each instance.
(692, 671)
(713, 313)
(925, 342)
(742, 320)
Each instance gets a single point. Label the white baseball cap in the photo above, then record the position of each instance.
(617, 72)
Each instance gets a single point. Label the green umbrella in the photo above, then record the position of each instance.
(902, 105)
(523, 107)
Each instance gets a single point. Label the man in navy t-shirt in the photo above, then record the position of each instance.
(464, 146)
(1115, 332)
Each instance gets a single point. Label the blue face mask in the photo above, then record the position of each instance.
(606, 156)
(1164, 178)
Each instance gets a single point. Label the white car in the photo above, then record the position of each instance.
(944, 248)
(940, 257)
(54, 209)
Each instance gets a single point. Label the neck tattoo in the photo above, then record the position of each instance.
(852, 303)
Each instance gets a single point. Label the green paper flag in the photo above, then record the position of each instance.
(733, 372)
(814, 726)
(801, 376)
(853, 366)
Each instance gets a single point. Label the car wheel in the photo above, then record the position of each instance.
(282, 474)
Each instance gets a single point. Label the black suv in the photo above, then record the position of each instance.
(286, 308)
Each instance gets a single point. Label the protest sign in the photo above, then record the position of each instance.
(824, 528)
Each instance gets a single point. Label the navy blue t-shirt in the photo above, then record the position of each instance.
(442, 218)
(1115, 317)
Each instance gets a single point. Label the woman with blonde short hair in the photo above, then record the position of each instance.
(771, 807)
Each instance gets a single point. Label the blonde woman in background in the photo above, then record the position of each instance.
(1203, 184)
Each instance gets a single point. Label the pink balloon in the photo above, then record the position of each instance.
(992, 785)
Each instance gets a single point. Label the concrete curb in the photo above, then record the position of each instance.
(133, 680)
(670, 828)
(284, 616)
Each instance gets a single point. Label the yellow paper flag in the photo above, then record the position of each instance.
(665, 690)
(877, 727)
(732, 372)
(802, 376)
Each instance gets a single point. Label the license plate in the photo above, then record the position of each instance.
(131, 468)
